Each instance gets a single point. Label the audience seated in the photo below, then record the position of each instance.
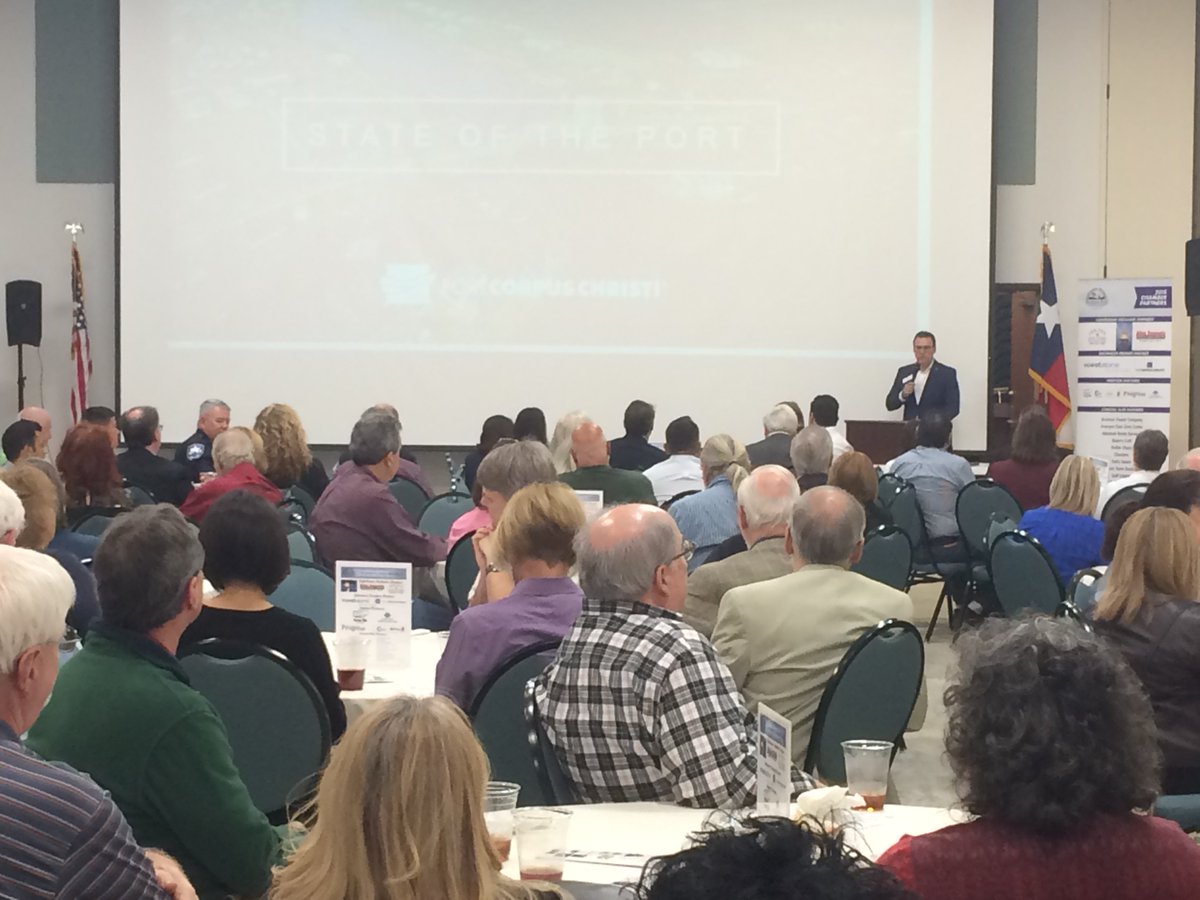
(1150, 611)
(63, 836)
(472, 520)
(234, 458)
(780, 425)
(592, 471)
(503, 472)
(680, 471)
(1052, 740)
(196, 453)
(19, 442)
(710, 517)
(289, 461)
(769, 859)
(764, 510)
(89, 473)
(83, 546)
(634, 451)
(409, 469)
(637, 704)
(782, 639)
(1066, 527)
(402, 815)
(357, 517)
(245, 558)
(530, 425)
(103, 417)
(855, 474)
(811, 452)
(123, 712)
(45, 432)
(37, 505)
(1149, 456)
(1179, 490)
(1033, 460)
(535, 541)
(495, 429)
(140, 464)
(560, 442)
(824, 412)
(1190, 460)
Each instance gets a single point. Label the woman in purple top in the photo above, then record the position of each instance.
(536, 538)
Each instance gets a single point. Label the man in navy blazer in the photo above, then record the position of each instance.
(925, 386)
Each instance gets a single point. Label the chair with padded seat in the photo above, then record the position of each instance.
(409, 495)
(96, 521)
(886, 557)
(440, 513)
(1183, 809)
(301, 546)
(497, 715)
(666, 504)
(1132, 493)
(552, 780)
(1023, 575)
(461, 571)
(138, 495)
(1068, 610)
(889, 487)
(308, 591)
(277, 724)
(870, 696)
(909, 518)
(1081, 591)
(980, 504)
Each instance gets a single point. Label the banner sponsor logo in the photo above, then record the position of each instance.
(1155, 297)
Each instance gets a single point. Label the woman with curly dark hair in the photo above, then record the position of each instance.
(89, 472)
(1052, 740)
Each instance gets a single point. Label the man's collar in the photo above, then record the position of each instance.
(139, 644)
(763, 540)
(8, 733)
(626, 607)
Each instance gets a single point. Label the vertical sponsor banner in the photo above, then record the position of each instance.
(1124, 366)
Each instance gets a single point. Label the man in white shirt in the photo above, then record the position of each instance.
(1149, 456)
(824, 412)
(680, 471)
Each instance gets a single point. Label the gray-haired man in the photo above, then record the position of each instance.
(196, 452)
(637, 704)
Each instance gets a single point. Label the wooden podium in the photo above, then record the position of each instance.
(882, 440)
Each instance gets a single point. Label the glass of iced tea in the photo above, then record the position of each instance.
(350, 652)
(498, 805)
(867, 766)
(542, 843)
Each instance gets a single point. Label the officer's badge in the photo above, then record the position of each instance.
(194, 452)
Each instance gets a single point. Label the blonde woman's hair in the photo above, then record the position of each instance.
(1156, 552)
(540, 521)
(285, 445)
(1076, 486)
(560, 442)
(725, 455)
(401, 815)
(39, 497)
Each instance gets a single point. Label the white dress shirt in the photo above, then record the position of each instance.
(674, 475)
(1138, 477)
(840, 444)
(919, 382)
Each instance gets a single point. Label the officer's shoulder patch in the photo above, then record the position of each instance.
(194, 451)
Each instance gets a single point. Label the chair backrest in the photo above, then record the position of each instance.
(1023, 575)
(497, 715)
(1183, 809)
(870, 696)
(277, 724)
(1068, 610)
(440, 512)
(293, 510)
(889, 487)
(886, 557)
(666, 504)
(301, 546)
(308, 591)
(1081, 592)
(978, 504)
(461, 572)
(410, 495)
(907, 516)
(138, 495)
(553, 781)
(96, 522)
(300, 498)
(1130, 494)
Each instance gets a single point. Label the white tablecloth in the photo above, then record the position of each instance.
(387, 681)
(631, 833)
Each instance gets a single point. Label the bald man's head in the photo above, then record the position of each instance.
(827, 528)
(588, 445)
(1191, 459)
(42, 419)
(765, 501)
(633, 552)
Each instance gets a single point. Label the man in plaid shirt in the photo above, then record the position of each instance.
(637, 704)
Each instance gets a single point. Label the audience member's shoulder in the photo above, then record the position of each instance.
(77, 794)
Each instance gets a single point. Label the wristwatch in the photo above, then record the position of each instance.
(492, 569)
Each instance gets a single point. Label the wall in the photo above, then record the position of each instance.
(34, 245)
(1115, 177)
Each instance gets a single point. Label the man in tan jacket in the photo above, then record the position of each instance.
(765, 500)
(782, 639)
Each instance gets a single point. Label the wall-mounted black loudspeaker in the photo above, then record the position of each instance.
(1191, 282)
(23, 312)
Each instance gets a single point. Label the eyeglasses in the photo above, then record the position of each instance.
(685, 554)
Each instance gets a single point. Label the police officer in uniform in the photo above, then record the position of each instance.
(196, 452)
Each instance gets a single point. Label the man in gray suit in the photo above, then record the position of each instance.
(774, 449)
(782, 639)
(765, 502)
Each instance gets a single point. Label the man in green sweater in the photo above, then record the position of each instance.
(124, 713)
(589, 449)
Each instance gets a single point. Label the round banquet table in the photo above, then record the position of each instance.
(384, 681)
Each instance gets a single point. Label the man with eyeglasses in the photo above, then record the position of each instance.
(636, 703)
(124, 713)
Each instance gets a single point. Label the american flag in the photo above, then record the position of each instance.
(81, 344)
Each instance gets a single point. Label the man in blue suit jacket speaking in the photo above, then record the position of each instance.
(925, 386)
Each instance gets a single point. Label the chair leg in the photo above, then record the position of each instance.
(936, 612)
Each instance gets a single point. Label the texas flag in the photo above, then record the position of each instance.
(1047, 363)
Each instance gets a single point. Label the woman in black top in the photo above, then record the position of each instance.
(246, 557)
(495, 429)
